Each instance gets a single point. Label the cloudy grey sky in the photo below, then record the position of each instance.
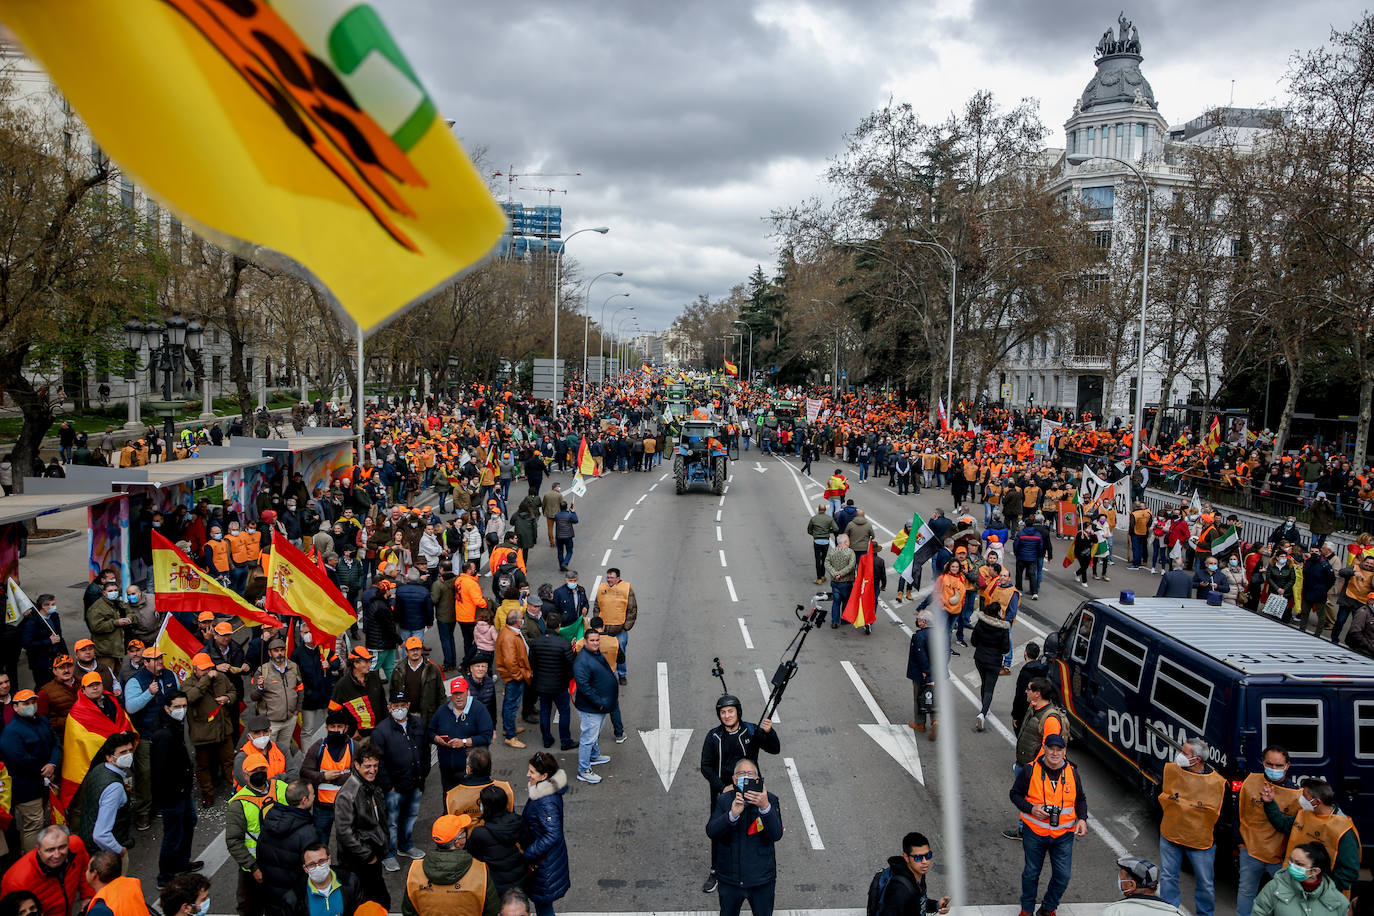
(691, 121)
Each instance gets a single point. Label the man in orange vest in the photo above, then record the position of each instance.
(1191, 795)
(449, 881)
(1263, 844)
(327, 765)
(115, 895)
(257, 739)
(1054, 811)
(1318, 820)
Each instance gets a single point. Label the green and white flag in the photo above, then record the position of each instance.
(921, 545)
(1223, 542)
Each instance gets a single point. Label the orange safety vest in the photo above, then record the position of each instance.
(124, 897)
(1262, 841)
(1191, 803)
(245, 547)
(276, 761)
(1311, 827)
(219, 556)
(466, 898)
(464, 799)
(324, 792)
(1043, 792)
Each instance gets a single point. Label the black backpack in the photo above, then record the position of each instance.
(505, 578)
(877, 888)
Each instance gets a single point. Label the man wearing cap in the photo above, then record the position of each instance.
(87, 662)
(404, 746)
(459, 724)
(277, 689)
(172, 778)
(450, 882)
(208, 692)
(1138, 881)
(327, 765)
(104, 797)
(360, 692)
(229, 660)
(32, 752)
(145, 696)
(422, 679)
(107, 621)
(57, 696)
(243, 825)
(360, 832)
(133, 661)
(257, 739)
(1054, 810)
(1191, 794)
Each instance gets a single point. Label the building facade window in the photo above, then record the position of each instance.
(1100, 201)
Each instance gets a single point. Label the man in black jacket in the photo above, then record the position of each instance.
(744, 826)
(1036, 665)
(287, 831)
(905, 893)
(405, 765)
(727, 744)
(551, 659)
(173, 772)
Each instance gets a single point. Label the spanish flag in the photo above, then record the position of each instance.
(178, 647)
(292, 125)
(586, 464)
(300, 588)
(6, 798)
(644, 367)
(862, 609)
(732, 369)
(1213, 437)
(87, 728)
(181, 586)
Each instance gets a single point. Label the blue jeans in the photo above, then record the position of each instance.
(1140, 544)
(1035, 847)
(505, 489)
(835, 505)
(510, 707)
(1250, 871)
(400, 822)
(617, 723)
(623, 637)
(565, 551)
(406, 634)
(839, 595)
(1342, 615)
(587, 747)
(863, 470)
(443, 499)
(446, 643)
(1159, 555)
(178, 826)
(324, 821)
(1170, 866)
(560, 700)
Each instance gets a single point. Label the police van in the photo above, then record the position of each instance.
(1138, 676)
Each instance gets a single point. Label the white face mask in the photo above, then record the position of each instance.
(1183, 760)
(1306, 803)
(178, 713)
(125, 761)
(261, 741)
(28, 710)
(400, 715)
(318, 873)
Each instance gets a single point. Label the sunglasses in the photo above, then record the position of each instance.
(921, 857)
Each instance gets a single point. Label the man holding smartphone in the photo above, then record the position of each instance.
(745, 825)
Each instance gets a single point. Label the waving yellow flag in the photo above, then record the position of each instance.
(297, 126)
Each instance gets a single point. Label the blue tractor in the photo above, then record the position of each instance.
(701, 456)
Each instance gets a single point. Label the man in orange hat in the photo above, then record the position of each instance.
(208, 693)
(243, 824)
(360, 691)
(449, 881)
(87, 661)
(57, 697)
(230, 661)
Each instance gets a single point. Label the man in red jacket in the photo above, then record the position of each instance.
(55, 870)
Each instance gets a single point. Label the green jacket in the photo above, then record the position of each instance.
(447, 867)
(107, 635)
(822, 525)
(1283, 896)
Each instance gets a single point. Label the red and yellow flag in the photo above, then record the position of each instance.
(180, 585)
(360, 708)
(586, 464)
(1213, 437)
(731, 369)
(862, 609)
(178, 647)
(292, 125)
(300, 588)
(87, 728)
(6, 798)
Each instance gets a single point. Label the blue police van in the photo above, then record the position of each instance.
(1138, 676)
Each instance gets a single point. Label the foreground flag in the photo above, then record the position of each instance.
(1213, 438)
(731, 369)
(181, 586)
(178, 647)
(1068, 519)
(1224, 542)
(6, 798)
(862, 608)
(300, 588)
(295, 126)
(586, 464)
(920, 546)
(1182, 439)
(17, 604)
(86, 730)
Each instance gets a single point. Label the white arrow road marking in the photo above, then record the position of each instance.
(744, 629)
(760, 468)
(767, 689)
(898, 740)
(803, 806)
(665, 744)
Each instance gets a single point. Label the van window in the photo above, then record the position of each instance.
(1182, 694)
(1294, 724)
(1122, 657)
(1084, 637)
(1364, 729)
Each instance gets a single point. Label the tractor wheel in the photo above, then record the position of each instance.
(680, 475)
(718, 476)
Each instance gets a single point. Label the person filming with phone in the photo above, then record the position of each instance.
(745, 825)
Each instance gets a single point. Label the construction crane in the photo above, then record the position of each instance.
(548, 191)
(511, 176)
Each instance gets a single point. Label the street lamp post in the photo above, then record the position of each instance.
(614, 315)
(1139, 419)
(615, 339)
(586, 324)
(751, 347)
(601, 337)
(953, 282)
(558, 302)
(168, 343)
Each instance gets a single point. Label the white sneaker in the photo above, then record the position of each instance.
(598, 761)
(390, 864)
(588, 776)
(981, 724)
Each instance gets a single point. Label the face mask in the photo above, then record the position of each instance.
(400, 715)
(157, 524)
(49, 610)
(1283, 561)
(1233, 562)
(112, 594)
(1297, 871)
(261, 741)
(1306, 803)
(1274, 775)
(318, 873)
(258, 781)
(178, 713)
(125, 761)
(216, 536)
(204, 908)
(1183, 760)
(1121, 886)
(28, 711)
(1211, 567)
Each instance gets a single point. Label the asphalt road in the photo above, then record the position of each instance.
(720, 577)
